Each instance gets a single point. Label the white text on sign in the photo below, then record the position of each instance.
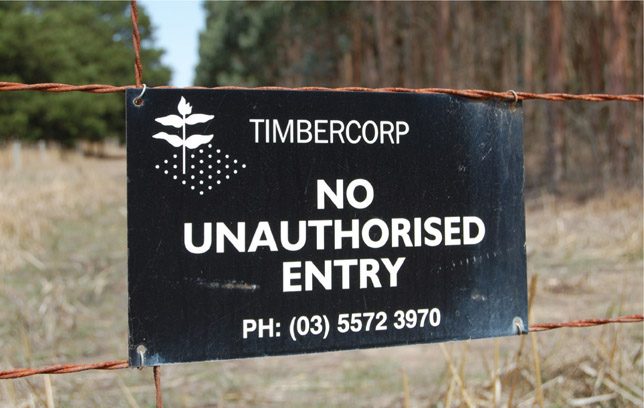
(325, 131)
(336, 234)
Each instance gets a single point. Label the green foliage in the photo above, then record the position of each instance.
(74, 43)
(232, 49)
(256, 43)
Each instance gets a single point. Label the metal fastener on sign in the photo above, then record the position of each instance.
(518, 324)
(138, 101)
(516, 97)
(141, 352)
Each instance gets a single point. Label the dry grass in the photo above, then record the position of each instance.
(63, 298)
(607, 226)
(44, 191)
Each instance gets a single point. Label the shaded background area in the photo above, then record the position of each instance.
(575, 47)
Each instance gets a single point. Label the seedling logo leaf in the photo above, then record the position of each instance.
(195, 141)
(209, 166)
(184, 107)
(180, 122)
(174, 140)
(171, 120)
(198, 118)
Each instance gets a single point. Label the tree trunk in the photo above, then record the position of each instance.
(637, 88)
(441, 47)
(618, 134)
(528, 47)
(556, 79)
(510, 59)
(466, 51)
(382, 14)
(595, 34)
(415, 52)
(357, 50)
(370, 67)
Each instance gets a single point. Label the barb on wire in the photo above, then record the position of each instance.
(585, 323)
(467, 93)
(116, 365)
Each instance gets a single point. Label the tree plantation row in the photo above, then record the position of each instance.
(574, 47)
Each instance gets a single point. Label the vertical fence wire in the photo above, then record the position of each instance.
(136, 42)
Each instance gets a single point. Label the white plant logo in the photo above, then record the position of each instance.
(207, 167)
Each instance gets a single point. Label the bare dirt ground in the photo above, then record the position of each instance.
(63, 299)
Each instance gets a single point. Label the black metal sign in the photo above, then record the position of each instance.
(282, 222)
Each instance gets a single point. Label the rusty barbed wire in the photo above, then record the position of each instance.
(120, 364)
(585, 323)
(157, 386)
(467, 93)
(136, 41)
(56, 87)
(63, 369)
